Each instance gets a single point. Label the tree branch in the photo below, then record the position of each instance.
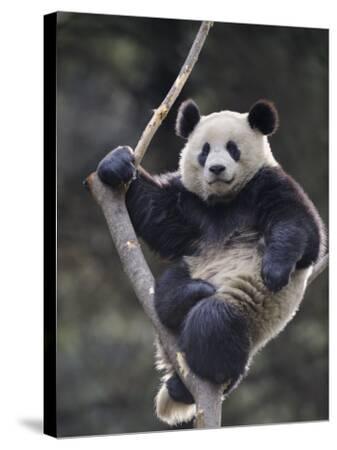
(161, 112)
(112, 202)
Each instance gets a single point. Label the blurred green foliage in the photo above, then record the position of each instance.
(111, 72)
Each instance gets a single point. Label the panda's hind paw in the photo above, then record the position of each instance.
(178, 391)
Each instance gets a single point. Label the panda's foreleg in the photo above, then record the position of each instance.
(285, 245)
(215, 341)
(176, 293)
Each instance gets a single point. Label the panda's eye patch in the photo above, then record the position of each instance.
(204, 153)
(233, 150)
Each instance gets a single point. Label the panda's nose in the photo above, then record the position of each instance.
(217, 169)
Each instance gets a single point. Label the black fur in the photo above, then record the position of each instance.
(233, 150)
(176, 293)
(293, 231)
(178, 391)
(215, 341)
(203, 154)
(264, 116)
(188, 117)
(117, 167)
(160, 211)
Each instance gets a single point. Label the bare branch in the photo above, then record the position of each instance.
(207, 395)
(161, 112)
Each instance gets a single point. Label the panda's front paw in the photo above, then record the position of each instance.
(117, 167)
(275, 275)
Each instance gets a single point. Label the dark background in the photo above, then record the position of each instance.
(111, 72)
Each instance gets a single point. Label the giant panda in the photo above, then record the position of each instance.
(242, 237)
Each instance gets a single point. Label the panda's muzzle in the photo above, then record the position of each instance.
(218, 170)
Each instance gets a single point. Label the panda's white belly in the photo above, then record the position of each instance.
(235, 271)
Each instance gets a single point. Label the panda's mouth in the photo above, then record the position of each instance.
(220, 180)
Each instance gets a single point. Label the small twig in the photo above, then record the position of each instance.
(161, 112)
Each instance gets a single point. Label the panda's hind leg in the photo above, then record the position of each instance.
(215, 341)
(176, 293)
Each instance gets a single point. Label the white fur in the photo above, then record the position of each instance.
(217, 129)
(167, 409)
(235, 270)
(170, 411)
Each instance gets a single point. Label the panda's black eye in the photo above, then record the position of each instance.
(204, 153)
(233, 150)
(205, 148)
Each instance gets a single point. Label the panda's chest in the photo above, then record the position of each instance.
(225, 220)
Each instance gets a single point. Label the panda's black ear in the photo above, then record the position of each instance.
(264, 116)
(187, 119)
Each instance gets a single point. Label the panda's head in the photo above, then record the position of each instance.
(224, 150)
